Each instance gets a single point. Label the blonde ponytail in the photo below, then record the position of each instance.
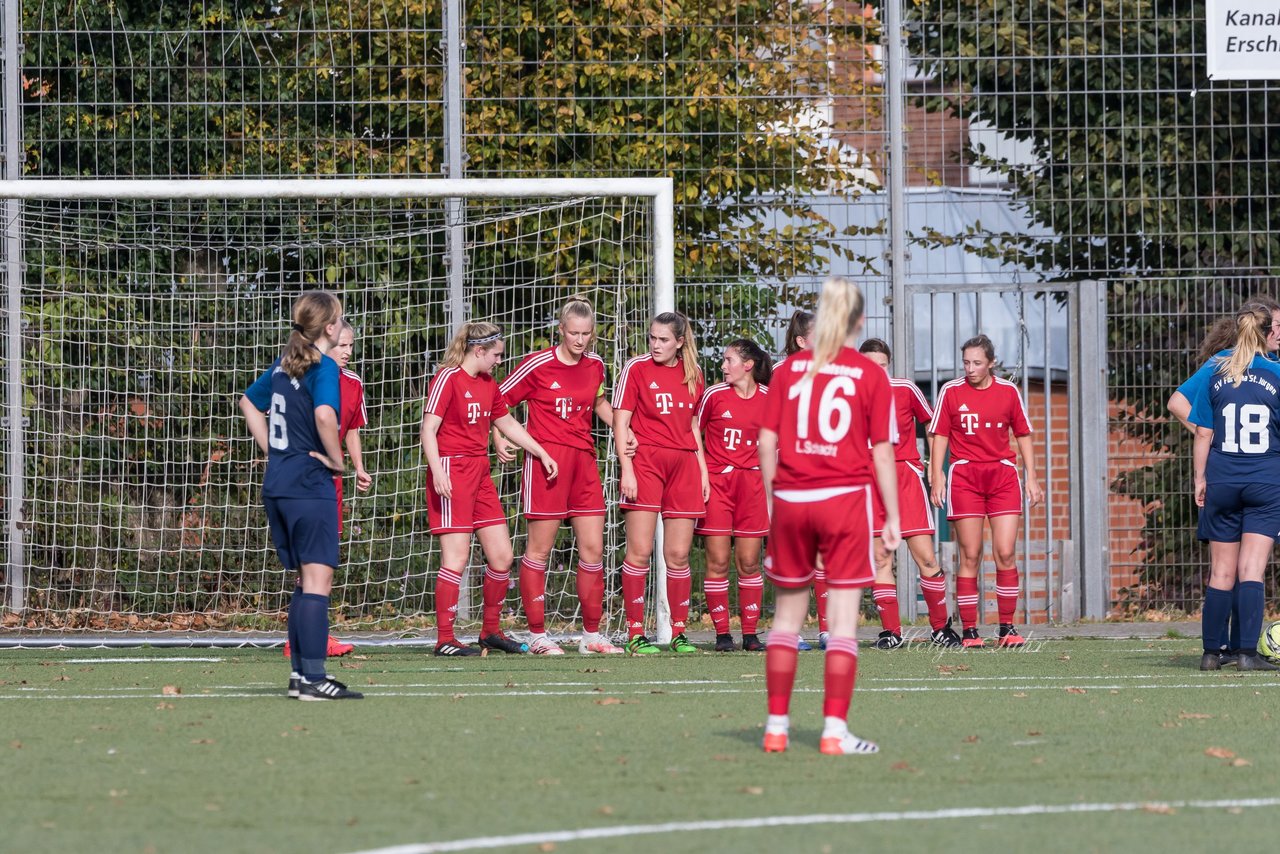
(681, 328)
(473, 333)
(312, 312)
(1253, 325)
(839, 310)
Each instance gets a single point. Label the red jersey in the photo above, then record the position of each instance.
(730, 427)
(353, 415)
(660, 402)
(468, 405)
(977, 421)
(561, 397)
(826, 425)
(910, 405)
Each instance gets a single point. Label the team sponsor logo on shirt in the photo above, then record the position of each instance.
(969, 420)
(473, 412)
(732, 438)
(663, 400)
(564, 406)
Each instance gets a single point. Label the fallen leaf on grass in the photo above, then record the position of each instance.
(961, 668)
(972, 739)
(547, 846)
(1034, 732)
(1192, 716)
(1240, 762)
(1076, 691)
(360, 657)
(63, 678)
(614, 701)
(1021, 695)
(724, 757)
(170, 691)
(202, 741)
(902, 766)
(15, 744)
(349, 666)
(353, 821)
(593, 670)
(1064, 658)
(1235, 810)
(1219, 753)
(1158, 809)
(163, 706)
(605, 810)
(752, 790)
(945, 670)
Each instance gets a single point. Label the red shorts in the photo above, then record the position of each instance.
(983, 489)
(737, 506)
(337, 485)
(576, 491)
(667, 482)
(914, 513)
(474, 504)
(837, 527)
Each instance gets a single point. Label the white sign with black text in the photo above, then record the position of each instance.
(1243, 39)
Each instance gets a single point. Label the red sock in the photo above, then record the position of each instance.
(447, 584)
(934, 589)
(841, 672)
(1007, 593)
(780, 656)
(886, 599)
(717, 592)
(591, 594)
(533, 593)
(750, 598)
(967, 600)
(679, 589)
(634, 580)
(495, 596)
(820, 593)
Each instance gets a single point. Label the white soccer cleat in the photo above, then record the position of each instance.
(598, 646)
(846, 745)
(542, 646)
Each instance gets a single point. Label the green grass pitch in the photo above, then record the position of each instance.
(99, 753)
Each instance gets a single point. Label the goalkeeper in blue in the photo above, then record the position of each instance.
(1237, 465)
(292, 412)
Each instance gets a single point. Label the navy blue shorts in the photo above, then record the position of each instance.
(1233, 509)
(304, 530)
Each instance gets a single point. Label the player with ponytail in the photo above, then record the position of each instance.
(463, 401)
(300, 391)
(826, 442)
(656, 400)
(563, 386)
(1237, 464)
(737, 516)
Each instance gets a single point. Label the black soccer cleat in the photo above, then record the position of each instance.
(945, 637)
(455, 648)
(724, 643)
(501, 643)
(1245, 661)
(295, 683)
(751, 643)
(327, 688)
(888, 640)
(1211, 661)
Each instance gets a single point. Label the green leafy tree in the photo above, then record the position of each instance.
(1147, 176)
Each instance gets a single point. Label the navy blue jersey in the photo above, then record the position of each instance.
(290, 405)
(1245, 419)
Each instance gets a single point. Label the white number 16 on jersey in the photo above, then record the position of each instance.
(834, 413)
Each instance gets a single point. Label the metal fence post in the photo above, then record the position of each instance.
(11, 98)
(1090, 488)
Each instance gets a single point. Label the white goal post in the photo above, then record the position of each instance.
(526, 234)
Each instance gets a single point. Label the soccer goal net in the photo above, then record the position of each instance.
(147, 307)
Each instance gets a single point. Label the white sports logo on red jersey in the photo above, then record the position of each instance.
(473, 411)
(663, 400)
(969, 420)
(564, 406)
(732, 436)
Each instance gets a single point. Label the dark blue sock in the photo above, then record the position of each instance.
(1213, 619)
(1233, 642)
(1252, 602)
(313, 634)
(295, 646)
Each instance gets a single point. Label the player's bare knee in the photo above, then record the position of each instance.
(716, 568)
(1005, 560)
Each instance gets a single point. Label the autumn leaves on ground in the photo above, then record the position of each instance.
(198, 750)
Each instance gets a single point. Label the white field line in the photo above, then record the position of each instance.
(397, 691)
(552, 837)
(138, 660)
